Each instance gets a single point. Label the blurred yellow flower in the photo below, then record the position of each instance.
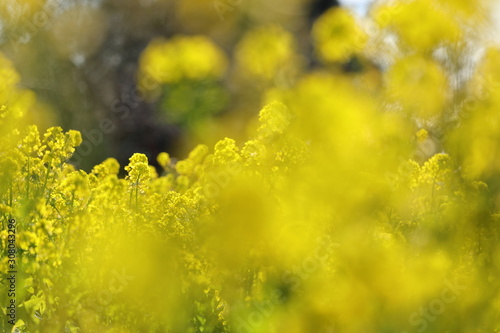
(419, 85)
(267, 52)
(421, 25)
(181, 57)
(337, 36)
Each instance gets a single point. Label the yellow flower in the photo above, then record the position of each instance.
(76, 185)
(31, 143)
(226, 152)
(110, 166)
(419, 85)
(274, 118)
(163, 160)
(267, 52)
(422, 135)
(184, 167)
(421, 25)
(181, 57)
(138, 169)
(473, 13)
(198, 154)
(4, 209)
(254, 152)
(57, 147)
(337, 36)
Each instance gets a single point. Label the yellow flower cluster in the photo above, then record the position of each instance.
(405, 19)
(337, 35)
(238, 226)
(267, 53)
(183, 57)
(343, 210)
(185, 73)
(408, 82)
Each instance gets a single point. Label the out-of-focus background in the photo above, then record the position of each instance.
(164, 75)
(83, 59)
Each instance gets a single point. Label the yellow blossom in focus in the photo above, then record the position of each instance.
(138, 168)
(109, 167)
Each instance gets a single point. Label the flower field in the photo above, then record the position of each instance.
(361, 196)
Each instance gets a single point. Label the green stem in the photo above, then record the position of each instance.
(58, 212)
(72, 201)
(28, 180)
(46, 180)
(11, 199)
(137, 192)
(432, 192)
(130, 200)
